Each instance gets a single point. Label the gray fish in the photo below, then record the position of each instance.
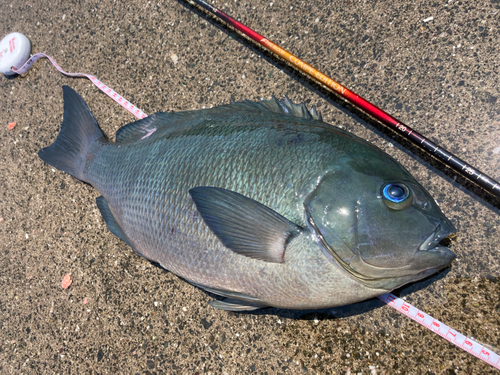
(262, 204)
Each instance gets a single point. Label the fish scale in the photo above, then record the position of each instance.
(174, 209)
(250, 200)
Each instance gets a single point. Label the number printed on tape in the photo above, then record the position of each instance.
(443, 330)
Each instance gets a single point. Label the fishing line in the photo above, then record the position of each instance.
(446, 157)
(14, 52)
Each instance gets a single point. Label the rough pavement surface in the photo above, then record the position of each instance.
(122, 314)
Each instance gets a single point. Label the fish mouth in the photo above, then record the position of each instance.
(433, 240)
(439, 238)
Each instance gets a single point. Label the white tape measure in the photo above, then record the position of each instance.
(442, 330)
(14, 52)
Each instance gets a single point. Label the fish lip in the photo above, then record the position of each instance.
(431, 243)
(447, 255)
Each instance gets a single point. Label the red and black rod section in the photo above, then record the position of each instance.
(447, 158)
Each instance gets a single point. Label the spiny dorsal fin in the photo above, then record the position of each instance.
(149, 125)
(286, 107)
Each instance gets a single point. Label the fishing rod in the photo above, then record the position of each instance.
(446, 157)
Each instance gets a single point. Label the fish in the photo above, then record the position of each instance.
(260, 203)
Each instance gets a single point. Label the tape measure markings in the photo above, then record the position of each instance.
(104, 88)
(449, 334)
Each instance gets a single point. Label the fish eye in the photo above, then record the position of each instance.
(397, 196)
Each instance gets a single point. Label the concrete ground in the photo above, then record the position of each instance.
(123, 315)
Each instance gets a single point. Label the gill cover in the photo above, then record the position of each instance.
(380, 246)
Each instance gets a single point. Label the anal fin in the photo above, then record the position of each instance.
(110, 220)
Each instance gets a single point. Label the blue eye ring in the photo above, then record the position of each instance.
(395, 192)
(397, 196)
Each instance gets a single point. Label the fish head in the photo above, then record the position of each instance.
(376, 221)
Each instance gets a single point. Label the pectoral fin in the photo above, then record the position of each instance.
(244, 225)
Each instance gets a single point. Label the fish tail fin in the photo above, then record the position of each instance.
(79, 130)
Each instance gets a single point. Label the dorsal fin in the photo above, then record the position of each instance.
(286, 107)
(147, 126)
(137, 130)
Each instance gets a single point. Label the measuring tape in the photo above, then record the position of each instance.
(442, 330)
(14, 51)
